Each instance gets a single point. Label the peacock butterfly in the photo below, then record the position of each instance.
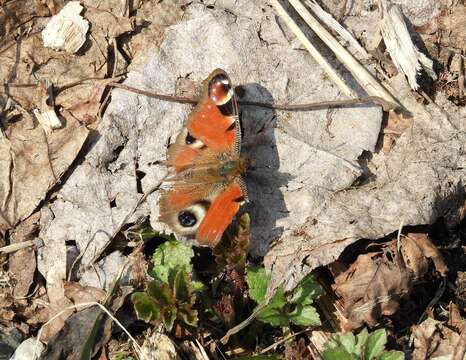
(206, 188)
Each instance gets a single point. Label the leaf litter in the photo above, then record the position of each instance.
(315, 192)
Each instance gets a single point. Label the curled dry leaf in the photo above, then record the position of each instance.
(375, 283)
(417, 249)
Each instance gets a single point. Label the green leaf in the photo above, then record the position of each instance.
(181, 290)
(161, 293)
(196, 286)
(306, 291)
(375, 344)
(169, 316)
(346, 341)
(392, 355)
(305, 316)
(146, 308)
(272, 313)
(338, 353)
(170, 256)
(361, 340)
(257, 281)
(273, 317)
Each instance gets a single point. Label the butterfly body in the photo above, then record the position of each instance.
(206, 187)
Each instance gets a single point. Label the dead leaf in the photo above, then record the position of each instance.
(416, 249)
(159, 346)
(452, 28)
(297, 349)
(375, 283)
(82, 294)
(22, 264)
(434, 340)
(31, 163)
(373, 286)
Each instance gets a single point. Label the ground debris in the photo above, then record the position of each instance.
(378, 280)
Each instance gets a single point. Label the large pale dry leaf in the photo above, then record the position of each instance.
(31, 162)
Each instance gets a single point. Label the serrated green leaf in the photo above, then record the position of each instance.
(169, 316)
(272, 313)
(160, 292)
(345, 341)
(257, 280)
(338, 353)
(273, 317)
(181, 289)
(361, 340)
(305, 316)
(170, 256)
(306, 291)
(392, 355)
(375, 344)
(145, 307)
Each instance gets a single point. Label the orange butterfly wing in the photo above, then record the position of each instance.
(220, 214)
(201, 202)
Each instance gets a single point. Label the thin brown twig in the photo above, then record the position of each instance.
(287, 107)
(281, 341)
(242, 324)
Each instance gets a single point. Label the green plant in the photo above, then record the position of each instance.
(283, 308)
(364, 346)
(172, 294)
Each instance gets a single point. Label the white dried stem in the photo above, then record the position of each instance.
(332, 23)
(337, 79)
(367, 81)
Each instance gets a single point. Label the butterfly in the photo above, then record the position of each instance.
(206, 188)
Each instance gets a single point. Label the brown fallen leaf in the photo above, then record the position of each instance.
(375, 283)
(31, 163)
(416, 249)
(395, 126)
(434, 340)
(82, 294)
(22, 264)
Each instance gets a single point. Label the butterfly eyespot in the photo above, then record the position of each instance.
(187, 219)
(220, 89)
(190, 218)
(189, 139)
(193, 142)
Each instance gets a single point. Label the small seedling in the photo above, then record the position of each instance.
(284, 308)
(364, 346)
(171, 295)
